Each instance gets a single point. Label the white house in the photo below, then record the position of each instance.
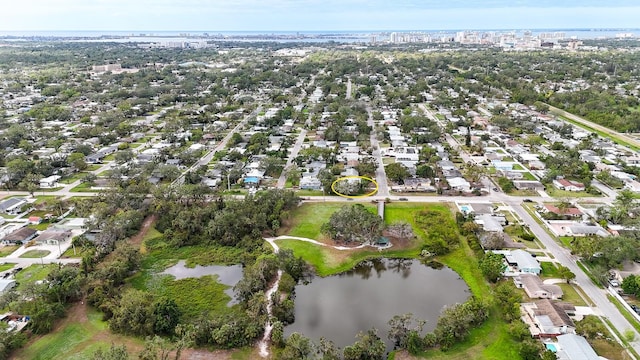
(459, 183)
(564, 184)
(50, 182)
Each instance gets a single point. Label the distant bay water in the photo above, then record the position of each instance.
(344, 36)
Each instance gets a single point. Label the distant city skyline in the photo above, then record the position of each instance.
(314, 15)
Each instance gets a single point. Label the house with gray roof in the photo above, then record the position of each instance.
(536, 289)
(12, 206)
(575, 347)
(523, 261)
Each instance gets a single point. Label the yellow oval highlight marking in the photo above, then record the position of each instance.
(354, 177)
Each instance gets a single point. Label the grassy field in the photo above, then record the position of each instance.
(76, 340)
(74, 177)
(8, 249)
(33, 273)
(307, 219)
(194, 296)
(83, 187)
(32, 254)
(549, 270)
(328, 261)
(560, 194)
(5, 267)
(570, 295)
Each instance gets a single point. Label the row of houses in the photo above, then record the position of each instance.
(24, 235)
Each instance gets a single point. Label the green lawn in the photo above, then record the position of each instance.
(327, 261)
(571, 295)
(305, 193)
(79, 253)
(549, 270)
(307, 219)
(40, 227)
(528, 176)
(33, 273)
(560, 194)
(7, 250)
(74, 177)
(31, 254)
(5, 267)
(566, 241)
(518, 167)
(83, 187)
(76, 341)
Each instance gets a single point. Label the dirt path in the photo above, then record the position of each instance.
(144, 229)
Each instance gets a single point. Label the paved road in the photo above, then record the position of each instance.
(206, 158)
(282, 180)
(564, 257)
(381, 175)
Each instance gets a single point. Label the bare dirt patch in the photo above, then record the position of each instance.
(136, 240)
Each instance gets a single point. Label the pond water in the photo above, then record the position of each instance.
(338, 307)
(227, 275)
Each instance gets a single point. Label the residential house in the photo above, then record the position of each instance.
(491, 223)
(12, 206)
(632, 185)
(53, 237)
(633, 160)
(503, 165)
(310, 183)
(95, 158)
(536, 289)
(574, 347)
(528, 185)
(586, 230)
(50, 182)
(459, 183)
(523, 261)
(568, 211)
(6, 285)
(564, 184)
(19, 236)
(446, 165)
(547, 318)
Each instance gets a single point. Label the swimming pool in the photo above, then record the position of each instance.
(551, 347)
(465, 208)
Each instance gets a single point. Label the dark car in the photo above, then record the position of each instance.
(527, 200)
(403, 199)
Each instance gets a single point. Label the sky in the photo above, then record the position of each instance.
(314, 15)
